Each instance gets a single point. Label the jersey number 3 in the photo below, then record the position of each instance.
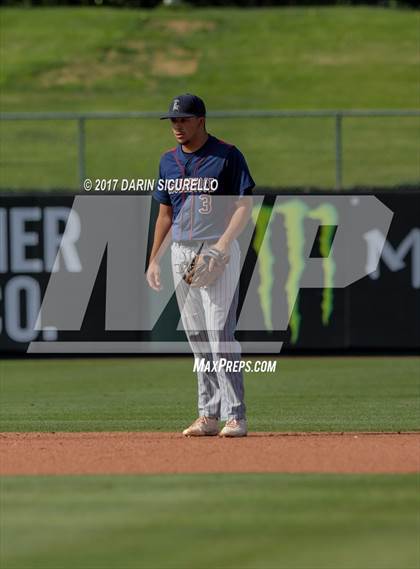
(205, 204)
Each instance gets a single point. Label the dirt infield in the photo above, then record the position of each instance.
(150, 453)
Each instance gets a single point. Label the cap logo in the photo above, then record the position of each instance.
(176, 105)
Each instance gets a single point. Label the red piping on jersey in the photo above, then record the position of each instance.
(182, 169)
(168, 152)
(199, 163)
(224, 142)
(180, 166)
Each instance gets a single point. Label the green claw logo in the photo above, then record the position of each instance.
(294, 212)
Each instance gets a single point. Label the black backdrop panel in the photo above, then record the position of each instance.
(376, 312)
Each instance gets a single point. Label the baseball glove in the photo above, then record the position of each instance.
(198, 273)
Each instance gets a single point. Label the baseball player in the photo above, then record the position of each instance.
(204, 191)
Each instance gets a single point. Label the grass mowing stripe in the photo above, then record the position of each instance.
(146, 394)
(239, 520)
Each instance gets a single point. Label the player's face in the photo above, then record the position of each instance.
(186, 130)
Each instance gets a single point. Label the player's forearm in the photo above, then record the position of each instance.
(238, 221)
(162, 229)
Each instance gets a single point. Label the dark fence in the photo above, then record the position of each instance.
(338, 117)
(378, 312)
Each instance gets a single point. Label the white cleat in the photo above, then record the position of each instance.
(203, 427)
(234, 428)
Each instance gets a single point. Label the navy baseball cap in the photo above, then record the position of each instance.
(185, 106)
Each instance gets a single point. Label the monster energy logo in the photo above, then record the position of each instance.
(294, 212)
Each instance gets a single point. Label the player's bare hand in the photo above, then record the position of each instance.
(153, 276)
(224, 248)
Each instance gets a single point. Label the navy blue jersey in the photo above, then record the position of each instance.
(194, 183)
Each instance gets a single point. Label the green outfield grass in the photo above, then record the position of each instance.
(305, 394)
(221, 521)
(224, 521)
(99, 59)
